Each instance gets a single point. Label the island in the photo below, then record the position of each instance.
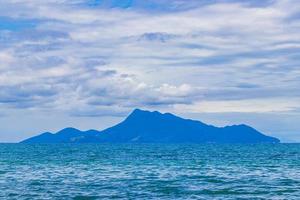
(154, 127)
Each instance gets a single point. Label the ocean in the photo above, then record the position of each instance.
(149, 171)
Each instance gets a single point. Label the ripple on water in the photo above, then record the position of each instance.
(149, 171)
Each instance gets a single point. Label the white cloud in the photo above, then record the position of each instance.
(242, 106)
(219, 57)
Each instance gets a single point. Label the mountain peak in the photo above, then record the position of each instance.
(137, 110)
(140, 112)
(68, 129)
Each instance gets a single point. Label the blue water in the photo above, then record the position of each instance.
(149, 171)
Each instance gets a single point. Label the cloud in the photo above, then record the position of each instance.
(242, 106)
(84, 56)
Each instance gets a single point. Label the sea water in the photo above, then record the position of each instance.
(149, 171)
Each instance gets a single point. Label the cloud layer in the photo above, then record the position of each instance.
(88, 58)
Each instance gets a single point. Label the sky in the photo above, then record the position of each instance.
(88, 63)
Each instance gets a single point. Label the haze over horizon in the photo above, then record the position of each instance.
(88, 63)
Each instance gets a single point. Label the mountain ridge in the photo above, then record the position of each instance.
(154, 127)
